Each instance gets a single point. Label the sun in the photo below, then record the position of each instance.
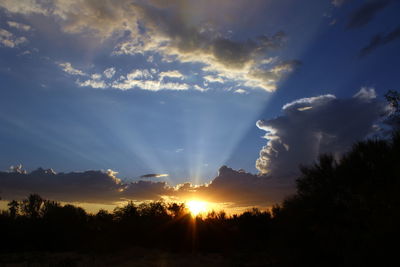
(196, 207)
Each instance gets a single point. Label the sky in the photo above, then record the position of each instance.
(180, 99)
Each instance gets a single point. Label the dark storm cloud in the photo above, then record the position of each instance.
(316, 125)
(380, 40)
(364, 14)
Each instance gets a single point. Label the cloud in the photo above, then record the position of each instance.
(19, 26)
(171, 74)
(145, 80)
(154, 27)
(109, 73)
(366, 93)
(154, 175)
(149, 85)
(139, 74)
(213, 79)
(96, 82)
(138, 78)
(88, 186)
(364, 14)
(316, 125)
(239, 188)
(199, 88)
(240, 91)
(380, 40)
(8, 39)
(67, 67)
(147, 190)
(25, 7)
(338, 3)
(241, 63)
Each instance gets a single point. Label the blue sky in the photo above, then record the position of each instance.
(176, 88)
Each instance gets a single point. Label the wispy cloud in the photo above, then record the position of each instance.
(19, 26)
(365, 13)
(379, 40)
(241, 91)
(143, 79)
(154, 175)
(171, 74)
(67, 67)
(95, 82)
(338, 3)
(149, 80)
(150, 85)
(8, 39)
(213, 79)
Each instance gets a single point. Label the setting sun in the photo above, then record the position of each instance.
(196, 207)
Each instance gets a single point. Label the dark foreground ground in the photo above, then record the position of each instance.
(134, 257)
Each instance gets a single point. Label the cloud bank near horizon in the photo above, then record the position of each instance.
(238, 188)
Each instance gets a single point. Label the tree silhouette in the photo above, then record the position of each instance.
(177, 210)
(32, 206)
(13, 208)
(393, 98)
(127, 212)
(346, 210)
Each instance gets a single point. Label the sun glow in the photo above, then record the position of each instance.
(196, 207)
